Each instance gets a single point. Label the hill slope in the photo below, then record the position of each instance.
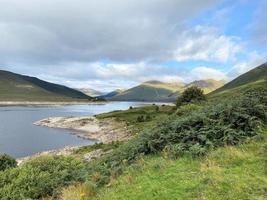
(16, 87)
(111, 94)
(253, 75)
(148, 91)
(159, 91)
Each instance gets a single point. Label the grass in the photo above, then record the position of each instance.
(152, 115)
(227, 173)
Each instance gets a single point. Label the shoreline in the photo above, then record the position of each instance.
(90, 128)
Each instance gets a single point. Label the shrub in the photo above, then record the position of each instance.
(140, 118)
(41, 177)
(148, 118)
(186, 109)
(191, 95)
(7, 162)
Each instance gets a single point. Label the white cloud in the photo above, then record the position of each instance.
(253, 60)
(207, 44)
(200, 73)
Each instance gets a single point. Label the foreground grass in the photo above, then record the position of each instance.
(227, 173)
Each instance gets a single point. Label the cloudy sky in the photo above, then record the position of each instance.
(109, 44)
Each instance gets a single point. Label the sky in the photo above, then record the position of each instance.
(111, 44)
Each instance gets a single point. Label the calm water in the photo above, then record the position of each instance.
(19, 137)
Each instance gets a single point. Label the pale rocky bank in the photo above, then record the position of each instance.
(104, 130)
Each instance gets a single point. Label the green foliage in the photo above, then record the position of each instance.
(191, 95)
(195, 133)
(7, 162)
(41, 177)
(140, 118)
(186, 109)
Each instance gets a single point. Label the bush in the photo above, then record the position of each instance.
(7, 162)
(191, 95)
(140, 118)
(41, 177)
(186, 109)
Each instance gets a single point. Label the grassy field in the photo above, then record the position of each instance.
(228, 173)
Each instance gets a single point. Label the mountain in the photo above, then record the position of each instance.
(207, 85)
(148, 91)
(111, 94)
(159, 91)
(256, 74)
(90, 92)
(16, 87)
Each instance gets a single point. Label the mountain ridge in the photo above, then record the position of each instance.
(17, 87)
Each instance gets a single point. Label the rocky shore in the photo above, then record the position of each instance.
(105, 131)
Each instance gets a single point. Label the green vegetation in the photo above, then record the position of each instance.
(7, 162)
(215, 149)
(41, 177)
(227, 173)
(104, 147)
(192, 94)
(15, 87)
(151, 116)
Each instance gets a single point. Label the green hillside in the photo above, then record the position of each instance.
(253, 75)
(159, 91)
(16, 87)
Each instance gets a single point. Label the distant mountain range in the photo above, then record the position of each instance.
(16, 87)
(91, 92)
(159, 91)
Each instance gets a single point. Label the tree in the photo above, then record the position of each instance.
(6, 162)
(191, 95)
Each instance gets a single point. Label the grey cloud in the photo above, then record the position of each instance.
(56, 31)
